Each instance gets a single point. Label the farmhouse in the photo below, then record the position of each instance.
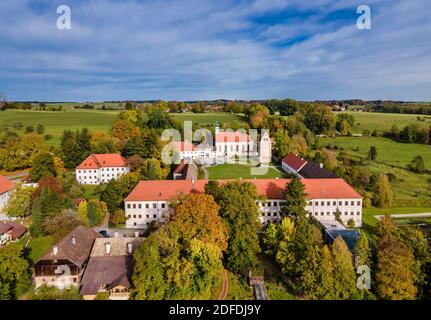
(292, 163)
(64, 264)
(150, 200)
(6, 187)
(101, 168)
(110, 267)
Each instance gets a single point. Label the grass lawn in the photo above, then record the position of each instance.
(89, 191)
(236, 171)
(38, 247)
(384, 121)
(56, 122)
(410, 189)
(205, 119)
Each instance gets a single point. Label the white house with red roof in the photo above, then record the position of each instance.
(149, 200)
(6, 186)
(101, 168)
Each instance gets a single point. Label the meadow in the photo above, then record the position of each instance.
(384, 121)
(239, 171)
(410, 189)
(56, 122)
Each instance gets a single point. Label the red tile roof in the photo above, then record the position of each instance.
(5, 185)
(293, 161)
(232, 137)
(96, 161)
(185, 146)
(15, 230)
(165, 190)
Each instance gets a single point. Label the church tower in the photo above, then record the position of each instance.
(265, 148)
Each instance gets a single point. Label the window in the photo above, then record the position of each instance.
(340, 203)
(346, 213)
(128, 206)
(140, 206)
(139, 216)
(310, 203)
(154, 216)
(328, 203)
(134, 206)
(322, 213)
(134, 216)
(322, 203)
(316, 203)
(352, 203)
(147, 205)
(328, 214)
(163, 205)
(154, 206)
(352, 213)
(334, 203)
(148, 216)
(274, 214)
(358, 203)
(129, 216)
(346, 203)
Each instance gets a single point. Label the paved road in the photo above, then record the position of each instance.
(121, 231)
(407, 215)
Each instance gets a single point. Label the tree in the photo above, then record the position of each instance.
(417, 164)
(383, 195)
(118, 217)
(82, 212)
(151, 170)
(43, 166)
(70, 150)
(125, 129)
(295, 198)
(20, 202)
(362, 251)
(197, 217)
(240, 214)
(394, 272)
(148, 273)
(14, 272)
(259, 116)
(60, 225)
(40, 129)
(372, 153)
(59, 166)
(344, 274)
(326, 276)
(117, 190)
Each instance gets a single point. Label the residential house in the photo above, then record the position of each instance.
(303, 168)
(150, 200)
(186, 170)
(110, 267)
(101, 168)
(10, 232)
(64, 265)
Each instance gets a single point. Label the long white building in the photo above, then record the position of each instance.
(101, 168)
(149, 200)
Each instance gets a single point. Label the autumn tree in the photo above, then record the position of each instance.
(344, 274)
(151, 170)
(363, 251)
(383, 195)
(14, 272)
(240, 214)
(394, 271)
(60, 225)
(20, 202)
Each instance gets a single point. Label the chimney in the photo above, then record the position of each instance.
(73, 240)
(130, 248)
(321, 165)
(54, 250)
(136, 234)
(193, 185)
(116, 235)
(107, 248)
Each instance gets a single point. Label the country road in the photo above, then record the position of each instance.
(224, 285)
(407, 215)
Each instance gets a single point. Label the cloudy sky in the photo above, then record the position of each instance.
(205, 49)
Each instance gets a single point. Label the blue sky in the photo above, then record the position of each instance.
(204, 49)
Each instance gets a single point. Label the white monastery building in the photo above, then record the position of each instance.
(227, 145)
(101, 168)
(149, 200)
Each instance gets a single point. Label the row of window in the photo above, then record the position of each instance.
(310, 203)
(276, 214)
(147, 206)
(139, 216)
(103, 169)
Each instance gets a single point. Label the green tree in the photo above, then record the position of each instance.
(363, 251)
(118, 217)
(60, 225)
(43, 166)
(417, 164)
(295, 199)
(117, 190)
(14, 272)
(40, 129)
(326, 279)
(20, 202)
(372, 153)
(148, 273)
(151, 170)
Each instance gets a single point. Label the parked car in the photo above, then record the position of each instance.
(104, 233)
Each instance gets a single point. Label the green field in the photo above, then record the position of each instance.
(205, 119)
(384, 121)
(410, 189)
(38, 247)
(56, 122)
(237, 171)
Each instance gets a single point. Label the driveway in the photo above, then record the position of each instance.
(407, 215)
